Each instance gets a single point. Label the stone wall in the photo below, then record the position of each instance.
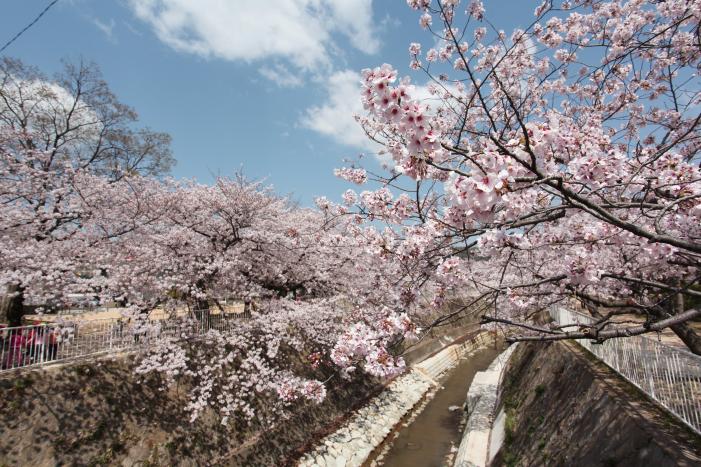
(352, 444)
(100, 414)
(563, 407)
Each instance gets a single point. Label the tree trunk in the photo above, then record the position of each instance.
(690, 337)
(204, 318)
(12, 305)
(201, 305)
(201, 311)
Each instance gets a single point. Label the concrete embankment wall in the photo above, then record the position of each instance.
(368, 427)
(480, 406)
(560, 406)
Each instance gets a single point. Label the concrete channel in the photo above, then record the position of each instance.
(433, 436)
(416, 419)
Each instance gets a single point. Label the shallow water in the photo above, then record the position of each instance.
(427, 440)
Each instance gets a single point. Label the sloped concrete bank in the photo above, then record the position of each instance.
(560, 406)
(368, 427)
(480, 407)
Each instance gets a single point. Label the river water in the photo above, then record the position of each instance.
(427, 441)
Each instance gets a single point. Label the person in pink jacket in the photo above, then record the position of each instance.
(15, 355)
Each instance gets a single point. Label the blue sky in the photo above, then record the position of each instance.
(263, 85)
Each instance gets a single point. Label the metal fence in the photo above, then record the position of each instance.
(669, 375)
(46, 343)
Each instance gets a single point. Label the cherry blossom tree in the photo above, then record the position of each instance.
(149, 243)
(235, 238)
(315, 284)
(75, 117)
(57, 225)
(61, 139)
(557, 162)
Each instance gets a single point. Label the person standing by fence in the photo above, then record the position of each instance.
(15, 356)
(51, 343)
(118, 332)
(35, 342)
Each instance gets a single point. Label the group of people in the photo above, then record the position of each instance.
(27, 345)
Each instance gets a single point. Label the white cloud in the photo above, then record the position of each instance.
(335, 117)
(354, 19)
(301, 32)
(131, 28)
(281, 75)
(390, 21)
(106, 28)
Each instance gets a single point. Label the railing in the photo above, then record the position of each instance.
(669, 375)
(47, 343)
